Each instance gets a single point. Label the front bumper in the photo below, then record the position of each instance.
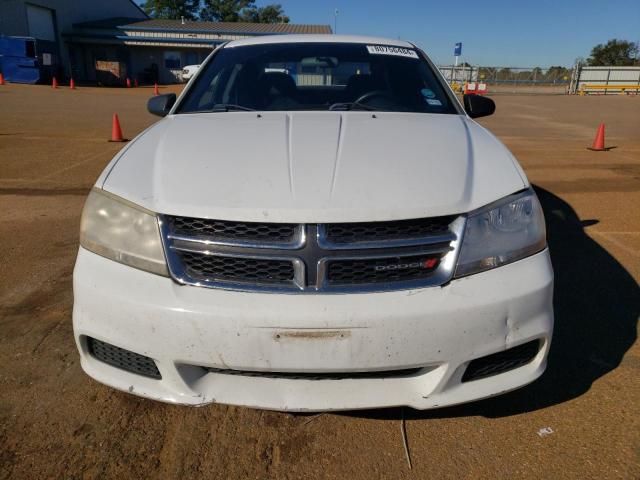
(186, 329)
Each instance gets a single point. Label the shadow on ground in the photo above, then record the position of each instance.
(597, 304)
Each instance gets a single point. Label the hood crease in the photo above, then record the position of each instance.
(336, 160)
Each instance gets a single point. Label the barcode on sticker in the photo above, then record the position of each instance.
(388, 50)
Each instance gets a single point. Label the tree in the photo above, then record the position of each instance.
(487, 73)
(172, 9)
(557, 73)
(614, 53)
(269, 14)
(504, 74)
(242, 11)
(224, 10)
(557, 70)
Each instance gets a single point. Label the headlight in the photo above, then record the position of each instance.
(124, 232)
(501, 233)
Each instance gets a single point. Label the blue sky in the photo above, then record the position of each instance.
(493, 32)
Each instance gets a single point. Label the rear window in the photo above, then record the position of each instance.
(318, 76)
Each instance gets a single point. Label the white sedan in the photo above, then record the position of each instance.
(295, 240)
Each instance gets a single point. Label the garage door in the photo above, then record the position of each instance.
(41, 23)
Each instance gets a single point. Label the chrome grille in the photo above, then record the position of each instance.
(219, 229)
(207, 267)
(345, 233)
(378, 270)
(312, 258)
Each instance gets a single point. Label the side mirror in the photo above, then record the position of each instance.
(161, 105)
(478, 106)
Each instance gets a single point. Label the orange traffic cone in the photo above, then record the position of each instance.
(116, 131)
(54, 83)
(72, 84)
(598, 142)
(155, 89)
(1, 79)
(128, 82)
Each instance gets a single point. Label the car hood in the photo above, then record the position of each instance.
(313, 167)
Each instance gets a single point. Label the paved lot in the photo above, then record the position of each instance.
(55, 422)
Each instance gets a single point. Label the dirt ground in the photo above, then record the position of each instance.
(55, 422)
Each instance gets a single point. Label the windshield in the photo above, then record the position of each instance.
(317, 76)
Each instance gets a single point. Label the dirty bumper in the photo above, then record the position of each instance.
(313, 352)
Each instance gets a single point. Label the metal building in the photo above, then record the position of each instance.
(74, 37)
(47, 21)
(159, 49)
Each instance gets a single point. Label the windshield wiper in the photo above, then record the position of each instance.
(351, 106)
(230, 107)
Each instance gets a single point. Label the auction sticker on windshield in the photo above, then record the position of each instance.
(387, 50)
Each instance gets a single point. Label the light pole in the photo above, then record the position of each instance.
(335, 21)
(457, 51)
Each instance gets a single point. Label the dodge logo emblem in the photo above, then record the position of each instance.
(426, 264)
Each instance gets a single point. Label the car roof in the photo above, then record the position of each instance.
(328, 38)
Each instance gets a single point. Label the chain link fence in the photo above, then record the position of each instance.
(510, 79)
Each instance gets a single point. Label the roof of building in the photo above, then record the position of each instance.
(139, 8)
(323, 38)
(113, 22)
(226, 27)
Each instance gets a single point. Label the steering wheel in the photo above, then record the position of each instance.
(373, 94)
